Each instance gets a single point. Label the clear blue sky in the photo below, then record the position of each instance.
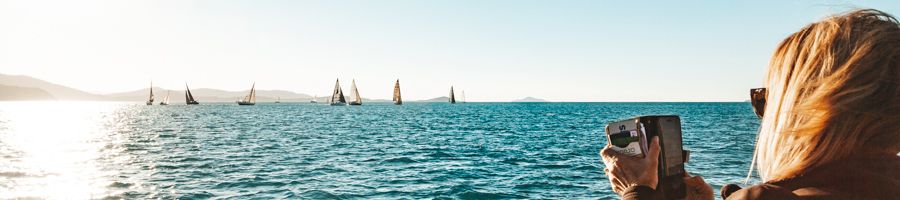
(494, 50)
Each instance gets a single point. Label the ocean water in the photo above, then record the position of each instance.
(79, 150)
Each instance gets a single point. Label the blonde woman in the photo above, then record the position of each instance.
(830, 115)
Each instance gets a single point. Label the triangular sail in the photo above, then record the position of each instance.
(452, 97)
(338, 95)
(253, 93)
(151, 92)
(462, 97)
(166, 100)
(150, 99)
(187, 94)
(251, 98)
(397, 99)
(355, 93)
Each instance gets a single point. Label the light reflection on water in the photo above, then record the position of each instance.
(52, 149)
(85, 150)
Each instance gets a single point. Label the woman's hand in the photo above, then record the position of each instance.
(625, 171)
(697, 189)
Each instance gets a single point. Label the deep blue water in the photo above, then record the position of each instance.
(315, 151)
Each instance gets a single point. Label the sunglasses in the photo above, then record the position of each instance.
(758, 100)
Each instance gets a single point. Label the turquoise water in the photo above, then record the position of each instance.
(300, 150)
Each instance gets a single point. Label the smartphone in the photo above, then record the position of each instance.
(671, 156)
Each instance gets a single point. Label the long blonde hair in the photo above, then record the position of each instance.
(832, 95)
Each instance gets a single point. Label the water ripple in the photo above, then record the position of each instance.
(305, 151)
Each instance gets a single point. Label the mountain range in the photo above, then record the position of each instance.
(25, 88)
(529, 99)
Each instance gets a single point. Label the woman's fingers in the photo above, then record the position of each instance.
(609, 154)
(697, 188)
(654, 149)
(696, 180)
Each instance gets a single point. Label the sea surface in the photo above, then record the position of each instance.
(97, 150)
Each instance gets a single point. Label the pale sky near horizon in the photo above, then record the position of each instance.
(494, 50)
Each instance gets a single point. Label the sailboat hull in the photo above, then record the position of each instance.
(354, 104)
(338, 104)
(193, 103)
(245, 103)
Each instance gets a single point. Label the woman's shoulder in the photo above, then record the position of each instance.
(762, 191)
(849, 179)
(868, 178)
(771, 191)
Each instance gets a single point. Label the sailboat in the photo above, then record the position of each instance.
(150, 101)
(337, 98)
(462, 97)
(250, 99)
(278, 100)
(166, 100)
(314, 99)
(188, 97)
(397, 100)
(452, 97)
(355, 94)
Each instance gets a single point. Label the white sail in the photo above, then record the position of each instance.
(462, 97)
(166, 100)
(357, 100)
(253, 93)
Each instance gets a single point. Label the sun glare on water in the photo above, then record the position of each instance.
(51, 149)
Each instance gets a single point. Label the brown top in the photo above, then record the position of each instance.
(876, 177)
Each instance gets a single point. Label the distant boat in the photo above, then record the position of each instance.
(462, 97)
(166, 100)
(337, 98)
(188, 97)
(354, 94)
(150, 101)
(250, 99)
(397, 100)
(452, 97)
(314, 99)
(278, 100)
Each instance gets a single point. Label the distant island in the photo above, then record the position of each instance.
(530, 99)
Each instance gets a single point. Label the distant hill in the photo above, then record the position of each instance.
(14, 88)
(13, 93)
(436, 99)
(210, 95)
(58, 92)
(529, 99)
